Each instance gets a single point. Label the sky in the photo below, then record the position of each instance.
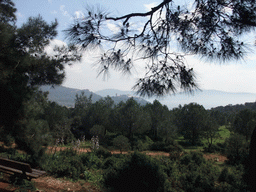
(234, 76)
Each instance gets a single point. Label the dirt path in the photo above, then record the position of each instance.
(208, 156)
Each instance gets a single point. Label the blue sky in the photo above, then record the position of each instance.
(235, 76)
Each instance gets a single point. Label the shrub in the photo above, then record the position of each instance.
(122, 143)
(101, 152)
(160, 146)
(23, 184)
(114, 161)
(91, 160)
(219, 147)
(193, 158)
(167, 165)
(138, 173)
(231, 180)
(107, 141)
(64, 165)
(167, 147)
(143, 144)
(196, 173)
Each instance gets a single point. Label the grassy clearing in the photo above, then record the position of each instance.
(224, 133)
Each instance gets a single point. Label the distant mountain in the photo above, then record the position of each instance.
(118, 95)
(66, 96)
(124, 98)
(114, 92)
(207, 98)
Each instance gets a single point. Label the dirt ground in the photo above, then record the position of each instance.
(51, 184)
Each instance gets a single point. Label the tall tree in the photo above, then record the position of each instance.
(191, 121)
(211, 29)
(130, 118)
(161, 126)
(244, 123)
(24, 64)
(79, 113)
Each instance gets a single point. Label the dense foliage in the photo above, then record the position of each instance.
(32, 122)
(24, 64)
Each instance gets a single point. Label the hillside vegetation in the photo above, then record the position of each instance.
(187, 134)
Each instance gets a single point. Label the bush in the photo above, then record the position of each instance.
(138, 173)
(64, 164)
(114, 161)
(23, 184)
(122, 143)
(107, 141)
(91, 160)
(219, 147)
(160, 146)
(231, 180)
(102, 153)
(167, 165)
(193, 158)
(171, 146)
(143, 144)
(196, 173)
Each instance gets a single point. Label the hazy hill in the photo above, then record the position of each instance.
(207, 98)
(66, 96)
(114, 92)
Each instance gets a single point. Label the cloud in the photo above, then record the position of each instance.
(54, 12)
(64, 12)
(150, 6)
(19, 15)
(79, 14)
(112, 27)
(231, 77)
(52, 44)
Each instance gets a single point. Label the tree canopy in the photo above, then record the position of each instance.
(211, 29)
(24, 63)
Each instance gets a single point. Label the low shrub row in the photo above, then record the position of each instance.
(137, 171)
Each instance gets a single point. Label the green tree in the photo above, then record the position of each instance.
(131, 118)
(236, 149)
(24, 64)
(98, 130)
(122, 143)
(160, 118)
(244, 123)
(80, 111)
(32, 131)
(99, 113)
(210, 131)
(58, 118)
(137, 173)
(219, 117)
(191, 120)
